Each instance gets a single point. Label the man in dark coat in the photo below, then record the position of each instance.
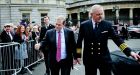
(8, 51)
(6, 35)
(43, 31)
(67, 48)
(95, 33)
(45, 27)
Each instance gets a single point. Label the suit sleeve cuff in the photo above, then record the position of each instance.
(124, 48)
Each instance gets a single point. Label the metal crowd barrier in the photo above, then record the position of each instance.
(10, 65)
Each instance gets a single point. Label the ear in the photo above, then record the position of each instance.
(90, 15)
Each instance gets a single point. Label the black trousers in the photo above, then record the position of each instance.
(46, 63)
(92, 65)
(63, 65)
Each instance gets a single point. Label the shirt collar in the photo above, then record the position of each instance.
(62, 30)
(8, 32)
(93, 22)
(46, 25)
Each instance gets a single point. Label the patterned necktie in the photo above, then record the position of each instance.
(58, 55)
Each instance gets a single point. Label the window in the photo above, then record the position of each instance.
(34, 1)
(42, 1)
(25, 18)
(2, 1)
(25, 1)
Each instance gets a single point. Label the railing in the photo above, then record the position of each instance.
(10, 64)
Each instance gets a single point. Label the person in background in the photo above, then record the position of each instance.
(21, 37)
(124, 33)
(76, 31)
(7, 53)
(7, 34)
(28, 30)
(61, 48)
(45, 27)
(35, 36)
(35, 33)
(43, 31)
(95, 32)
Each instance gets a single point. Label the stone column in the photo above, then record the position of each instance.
(131, 15)
(117, 14)
(78, 17)
(70, 17)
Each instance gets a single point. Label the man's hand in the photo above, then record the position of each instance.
(77, 61)
(135, 56)
(37, 46)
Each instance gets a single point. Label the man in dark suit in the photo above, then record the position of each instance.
(45, 27)
(61, 51)
(7, 52)
(43, 31)
(95, 33)
(6, 35)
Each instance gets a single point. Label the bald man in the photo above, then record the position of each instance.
(95, 33)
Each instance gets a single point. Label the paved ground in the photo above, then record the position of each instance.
(79, 70)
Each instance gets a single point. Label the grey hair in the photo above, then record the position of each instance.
(62, 18)
(95, 7)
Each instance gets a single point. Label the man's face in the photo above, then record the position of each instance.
(8, 29)
(98, 15)
(59, 25)
(46, 20)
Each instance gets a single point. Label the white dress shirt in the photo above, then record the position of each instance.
(10, 35)
(63, 45)
(93, 23)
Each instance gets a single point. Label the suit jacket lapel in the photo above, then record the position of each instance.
(54, 38)
(7, 36)
(66, 36)
(90, 26)
(91, 29)
(100, 27)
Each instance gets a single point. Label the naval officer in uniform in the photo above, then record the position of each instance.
(95, 32)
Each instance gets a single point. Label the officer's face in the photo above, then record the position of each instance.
(98, 15)
(46, 20)
(8, 29)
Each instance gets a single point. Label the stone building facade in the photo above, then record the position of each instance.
(13, 11)
(116, 11)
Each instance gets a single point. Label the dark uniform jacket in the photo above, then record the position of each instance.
(51, 47)
(43, 31)
(96, 41)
